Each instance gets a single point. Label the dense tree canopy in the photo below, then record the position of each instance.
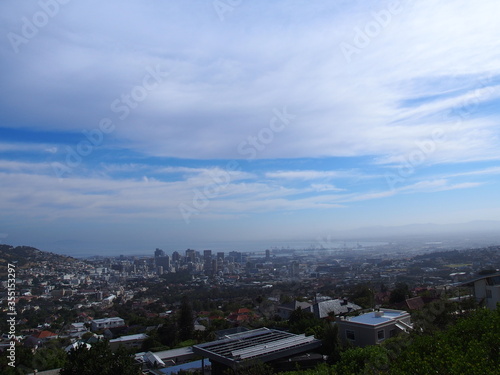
(99, 360)
(470, 346)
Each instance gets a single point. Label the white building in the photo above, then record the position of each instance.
(374, 327)
(130, 341)
(486, 289)
(99, 324)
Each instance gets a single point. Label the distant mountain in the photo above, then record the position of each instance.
(26, 256)
(464, 229)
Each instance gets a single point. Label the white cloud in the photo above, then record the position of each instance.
(303, 175)
(218, 93)
(435, 67)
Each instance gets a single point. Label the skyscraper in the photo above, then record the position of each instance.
(159, 253)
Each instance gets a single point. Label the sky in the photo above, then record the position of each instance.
(131, 125)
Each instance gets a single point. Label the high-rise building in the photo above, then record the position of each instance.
(176, 257)
(190, 255)
(236, 256)
(220, 256)
(159, 253)
(214, 267)
(163, 261)
(294, 269)
(207, 261)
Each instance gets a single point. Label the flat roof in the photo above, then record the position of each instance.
(103, 320)
(263, 344)
(373, 320)
(495, 276)
(138, 336)
(175, 353)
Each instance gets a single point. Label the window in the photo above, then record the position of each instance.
(380, 335)
(350, 335)
(488, 293)
(392, 333)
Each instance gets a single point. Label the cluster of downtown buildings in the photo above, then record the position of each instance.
(96, 283)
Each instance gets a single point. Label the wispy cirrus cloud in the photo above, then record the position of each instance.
(433, 67)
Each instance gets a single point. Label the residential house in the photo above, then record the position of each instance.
(373, 327)
(324, 309)
(39, 338)
(129, 341)
(240, 316)
(100, 324)
(486, 289)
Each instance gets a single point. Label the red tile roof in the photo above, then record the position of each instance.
(44, 334)
(415, 303)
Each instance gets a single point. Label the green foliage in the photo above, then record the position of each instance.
(99, 360)
(24, 359)
(331, 342)
(471, 346)
(440, 314)
(363, 296)
(322, 369)
(301, 321)
(468, 345)
(47, 358)
(179, 277)
(185, 320)
(151, 342)
(167, 333)
(400, 293)
(185, 343)
(255, 368)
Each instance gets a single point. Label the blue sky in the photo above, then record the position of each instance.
(132, 125)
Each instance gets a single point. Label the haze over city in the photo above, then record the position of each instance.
(126, 126)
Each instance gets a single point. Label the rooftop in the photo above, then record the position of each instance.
(139, 336)
(263, 344)
(103, 320)
(378, 317)
(492, 279)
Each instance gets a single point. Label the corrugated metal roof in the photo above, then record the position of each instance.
(263, 344)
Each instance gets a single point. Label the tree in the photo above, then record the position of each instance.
(47, 358)
(167, 333)
(24, 360)
(301, 321)
(363, 296)
(185, 320)
(255, 368)
(400, 293)
(99, 360)
(331, 342)
(471, 346)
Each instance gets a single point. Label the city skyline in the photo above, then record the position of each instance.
(142, 125)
